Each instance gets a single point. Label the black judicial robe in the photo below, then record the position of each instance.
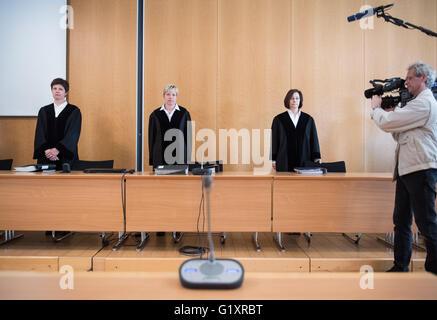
(158, 126)
(292, 146)
(61, 133)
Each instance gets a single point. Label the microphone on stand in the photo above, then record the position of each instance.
(368, 13)
(212, 273)
(201, 171)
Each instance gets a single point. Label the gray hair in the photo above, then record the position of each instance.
(170, 87)
(422, 69)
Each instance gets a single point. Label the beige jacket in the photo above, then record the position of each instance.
(414, 128)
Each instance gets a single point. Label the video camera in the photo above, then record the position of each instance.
(388, 85)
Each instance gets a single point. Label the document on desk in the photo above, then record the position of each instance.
(171, 169)
(310, 170)
(35, 167)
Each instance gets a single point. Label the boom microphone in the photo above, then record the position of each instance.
(368, 13)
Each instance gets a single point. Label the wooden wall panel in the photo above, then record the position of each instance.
(181, 48)
(389, 50)
(16, 139)
(327, 65)
(233, 61)
(102, 74)
(254, 64)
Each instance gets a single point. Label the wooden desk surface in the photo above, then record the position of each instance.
(386, 176)
(57, 201)
(256, 286)
(240, 201)
(373, 176)
(336, 202)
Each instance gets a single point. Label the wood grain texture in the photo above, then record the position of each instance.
(173, 204)
(256, 286)
(102, 74)
(181, 48)
(333, 206)
(233, 61)
(327, 66)
(16, 142)
(254, 66)
(38, 203)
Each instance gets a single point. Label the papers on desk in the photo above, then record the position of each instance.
(310, 170)
(171, 169)
(35, 167)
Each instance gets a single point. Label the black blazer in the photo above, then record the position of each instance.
(291, 146)
(61, 133)
(158, 126)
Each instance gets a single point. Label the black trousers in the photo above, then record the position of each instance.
(415, 194)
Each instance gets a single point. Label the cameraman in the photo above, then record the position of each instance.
(414, 128)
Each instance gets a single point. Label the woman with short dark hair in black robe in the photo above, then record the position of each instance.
(57, 129)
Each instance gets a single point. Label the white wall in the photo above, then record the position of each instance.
(32, 53)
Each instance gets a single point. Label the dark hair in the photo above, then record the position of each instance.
(62, 82)
(290, 95)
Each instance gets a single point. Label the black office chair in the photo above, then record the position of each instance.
(6, 164)
(80, 165)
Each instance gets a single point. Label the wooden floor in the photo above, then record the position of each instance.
(83, 251)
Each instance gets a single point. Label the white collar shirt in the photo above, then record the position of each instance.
(294, 118)
(169, 115)
(58, 109)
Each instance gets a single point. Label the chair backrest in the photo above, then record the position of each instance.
(83, 164)
(6, 164)
(338, 166)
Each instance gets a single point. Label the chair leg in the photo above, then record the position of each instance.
(223, 238)
(10, 236)
(145, 236)
(177, 236)
(278, 240)
(63, 236)
(388, 239)
(122, 237)
(105, 240)
(255, 240)
(356, 239)
(308, 236)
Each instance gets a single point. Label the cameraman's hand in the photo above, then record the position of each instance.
(376, 101)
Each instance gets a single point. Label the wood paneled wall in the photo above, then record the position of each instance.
(181, 48)
(102, 74)
(233, 62)
(261, 48)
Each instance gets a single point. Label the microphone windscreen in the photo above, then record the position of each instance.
(207, 181)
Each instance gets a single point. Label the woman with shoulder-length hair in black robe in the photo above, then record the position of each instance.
(294, 135)
(57, 129)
